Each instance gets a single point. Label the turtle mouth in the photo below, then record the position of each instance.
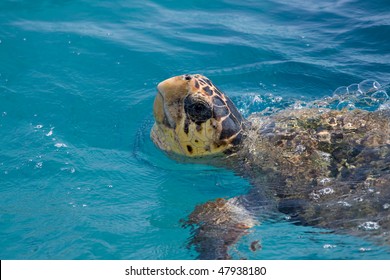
(157, 135)
(158, 108)
(161, 115)
(162, 132)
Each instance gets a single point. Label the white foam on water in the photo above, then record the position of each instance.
(369, 226)
(326, 191)
(60, 145)
(50, 133)
(362, 249)
(344, 203)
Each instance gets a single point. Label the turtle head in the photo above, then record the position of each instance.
(194, 118)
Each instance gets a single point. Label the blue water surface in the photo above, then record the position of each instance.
(79, 176)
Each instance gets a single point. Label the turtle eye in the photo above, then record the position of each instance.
(197, 110)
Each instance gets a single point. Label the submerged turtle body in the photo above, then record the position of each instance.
(322, 167)
(327, 168)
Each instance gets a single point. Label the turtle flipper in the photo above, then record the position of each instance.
(217, 225)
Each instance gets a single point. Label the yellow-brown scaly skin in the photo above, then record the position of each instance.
(194, 118)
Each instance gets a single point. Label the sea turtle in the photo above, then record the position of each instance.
(322, 167)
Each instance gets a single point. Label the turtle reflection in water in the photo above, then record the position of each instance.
(324, 168)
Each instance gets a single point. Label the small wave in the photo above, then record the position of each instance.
(262, 104)
(367, 95)
(107, 31)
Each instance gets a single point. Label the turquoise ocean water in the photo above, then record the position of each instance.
(79, 176)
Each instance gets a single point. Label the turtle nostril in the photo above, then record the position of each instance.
(187, 77)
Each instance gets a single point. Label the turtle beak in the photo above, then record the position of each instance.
(173, 88)
(158, 108)
(170, 95)
(171, 91)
